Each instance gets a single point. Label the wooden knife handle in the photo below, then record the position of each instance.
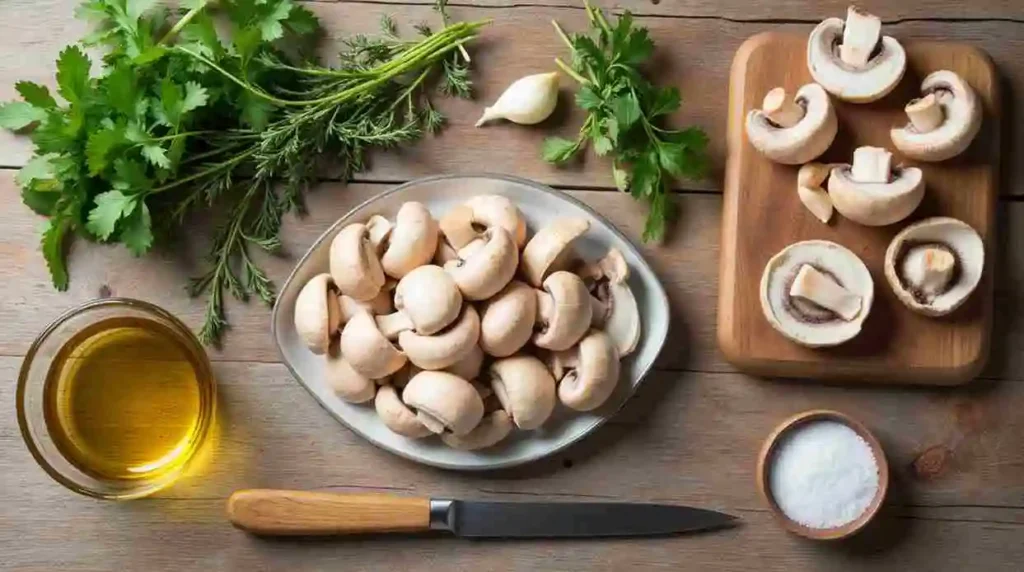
(299, 513)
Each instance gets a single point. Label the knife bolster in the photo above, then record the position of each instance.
(441, 514)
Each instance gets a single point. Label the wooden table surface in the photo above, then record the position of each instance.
(690, 436)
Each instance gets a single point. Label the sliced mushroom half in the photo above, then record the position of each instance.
(588, 373)
(816, 293)
(934, 265)
(485, 265)
(411, 242)
(550, 248)
(444, 402)
(872, 192)
(793, 131)
(614, 307)
(564, 311)
(494, 427)
(852, 60)
(943, 121)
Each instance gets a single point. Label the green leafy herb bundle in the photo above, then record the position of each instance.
(624, 119)
(224, 106)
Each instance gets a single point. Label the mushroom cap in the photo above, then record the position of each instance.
(803, 142)
(366, 348)
(506, 322)
(412, 242)
(492, 428)
(592, 372)
(803, 322)
(429, 297)
(346, 382)
(550, 247)
(525, 388)
(968, 251)
(446, 347)
(470, 365)
(317, 314)
(564, 311)
(396, 416)
(444, 402)
(962, 115)
(483, 270)
(354, 265)
(876, 204)
(859, 85)
(497, 210)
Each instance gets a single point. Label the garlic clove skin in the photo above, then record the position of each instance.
(529, 100)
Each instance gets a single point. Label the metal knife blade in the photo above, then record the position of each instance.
(477, 519)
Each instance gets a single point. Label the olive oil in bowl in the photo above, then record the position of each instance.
(126, 400)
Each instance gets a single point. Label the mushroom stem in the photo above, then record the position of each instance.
(393, 324)
(781, 109)
(860, 36)
(871, 165)
(925, 113)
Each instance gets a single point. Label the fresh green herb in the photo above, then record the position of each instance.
(625, 113)
(183, 117)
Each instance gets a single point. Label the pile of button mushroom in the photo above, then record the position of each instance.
(465, 326)
(818, 293)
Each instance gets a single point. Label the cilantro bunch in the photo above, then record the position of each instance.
(625, 112)
(224, 107)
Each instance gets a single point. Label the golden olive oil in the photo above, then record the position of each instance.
(128, 399)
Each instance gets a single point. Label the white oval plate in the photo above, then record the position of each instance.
(539, 205)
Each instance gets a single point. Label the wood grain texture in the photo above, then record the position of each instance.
(693, 54)
(276, 512)
(763, 215)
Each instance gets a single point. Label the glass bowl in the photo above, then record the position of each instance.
(40, 394)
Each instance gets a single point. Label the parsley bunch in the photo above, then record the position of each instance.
(624, 116)
(185, 117)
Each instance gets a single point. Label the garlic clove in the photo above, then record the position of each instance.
(527, 101)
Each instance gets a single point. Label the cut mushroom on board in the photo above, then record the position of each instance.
(550, 248)
(614, 308)
(872, 192)
(852, 60)
(588, 373)
(411, 242)
(809, 188)
(396, 415)
(494, 427)
(427, 301)
(354, 264)
(444, 402)
(816, 293)
(368, 350)
(445, 348)
(485, 266)
(934, 265)
(793, 131)
(943, 122)
(525, 388)
(344, 380)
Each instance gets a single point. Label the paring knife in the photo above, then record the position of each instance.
(298, 513)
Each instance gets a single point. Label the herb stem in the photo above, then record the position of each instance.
(180, 24)
(571, 72)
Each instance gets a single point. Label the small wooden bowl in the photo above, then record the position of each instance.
(764, 465)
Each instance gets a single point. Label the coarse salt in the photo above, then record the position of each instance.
(823, 475)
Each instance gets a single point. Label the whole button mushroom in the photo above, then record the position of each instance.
(872, 192)
(368, 350)
(867, 66)
(564, 311)
(444, 402)
(445, 348)
(486, 265)
(525, 388)
(470, 365)
(396, 415)
(494, 427)
(550, 248)
(588, 373)
(354, 264)
(427, 301)
(507, 320)
(793, 131)
(346, 382)
(317, 313)
(943, 122)
(412, 241)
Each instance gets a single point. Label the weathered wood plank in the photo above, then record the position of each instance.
(688, 266)
(694, 54)
(672, 443)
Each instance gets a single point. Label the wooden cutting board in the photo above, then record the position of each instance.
(762, 215)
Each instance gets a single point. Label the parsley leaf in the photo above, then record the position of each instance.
(73, 74)
(53, 251)
(137, 231)
(35, 95)
(18, 115)
(559, 149)
(110, 207)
